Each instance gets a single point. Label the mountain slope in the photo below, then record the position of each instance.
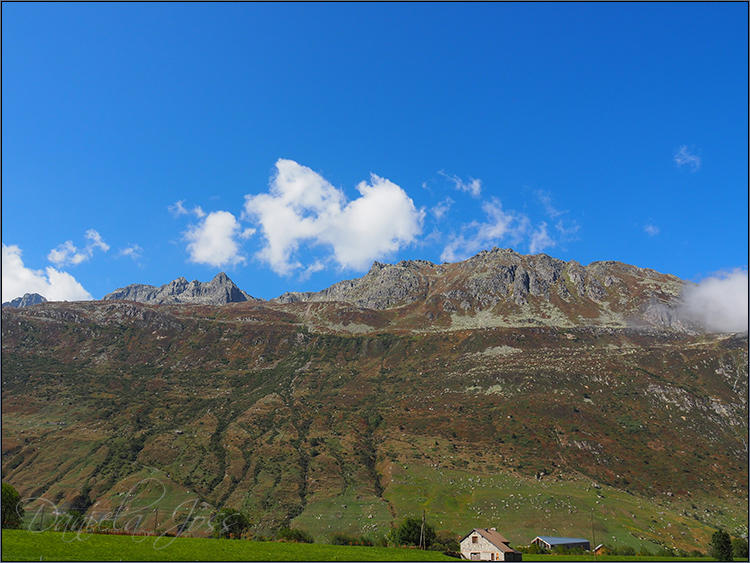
(338, 417)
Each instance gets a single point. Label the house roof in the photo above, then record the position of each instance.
(561, 541)
(497, 539)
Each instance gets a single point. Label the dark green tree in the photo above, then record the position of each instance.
(739, 548)
(12, 511)
(720, 547)
(408, 533)
(230, 523)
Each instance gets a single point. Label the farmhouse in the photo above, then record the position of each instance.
(483, 544)
(548, 542)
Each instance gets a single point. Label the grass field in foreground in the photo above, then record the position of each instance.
(19, 545)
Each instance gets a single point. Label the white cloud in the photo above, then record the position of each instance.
(54, 285)
(540, 239)
(473, 186)
(476, 236)
(442, 208)
(719, 302)
(651, 230)
(545, 199)
(134, 251)
(179, 209)
(303, 207)
(214, 241)
(684, 157)
(67, 253)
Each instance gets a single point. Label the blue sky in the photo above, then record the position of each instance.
(291, 145)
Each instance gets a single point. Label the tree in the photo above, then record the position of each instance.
(739, 548)
(409, 532)
(230, 523)
(12, 511)
(720, 547)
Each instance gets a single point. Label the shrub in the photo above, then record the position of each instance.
(294, 535)
(12, 511)
(230, 523)
(339, 538)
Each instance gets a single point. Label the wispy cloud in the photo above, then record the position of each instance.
(302, 207)
(719, 302)
(214, 241)
(473, 186)
(66, 254)
(442, 208)
(53, 284)
(684, 156)
(500, 226)
(133, 251)
(179, 209)
(540, 239)
(651, 230)
(545, 198)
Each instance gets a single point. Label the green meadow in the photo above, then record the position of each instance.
(19, 545)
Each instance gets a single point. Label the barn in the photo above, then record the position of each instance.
(550, 543)
(482, 544)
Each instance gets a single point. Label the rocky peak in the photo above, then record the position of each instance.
(514, 288)
(27, 300)
(219, 291)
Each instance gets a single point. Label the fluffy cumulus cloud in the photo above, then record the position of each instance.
(66, 254)
(215, 240)
(302, 207)
(54, 285)
(719, 302)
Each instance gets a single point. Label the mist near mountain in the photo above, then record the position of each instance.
(719, 302)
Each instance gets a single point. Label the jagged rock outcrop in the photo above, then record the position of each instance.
(383, 287)
(27, 300)
(516, 289)
(219, 291)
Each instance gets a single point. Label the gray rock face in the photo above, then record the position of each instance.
(383, 287)
(219, 291)
(508, 283)
(27, 300)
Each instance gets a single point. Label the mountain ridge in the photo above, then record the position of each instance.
(515, 289)
(219, 291)
(27, 300)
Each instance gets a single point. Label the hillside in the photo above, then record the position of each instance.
(345, 414)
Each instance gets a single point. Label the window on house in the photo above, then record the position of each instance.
(475, 539)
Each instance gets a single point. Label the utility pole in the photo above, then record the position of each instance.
(156, 518)
(422, 539)
(593, 537)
